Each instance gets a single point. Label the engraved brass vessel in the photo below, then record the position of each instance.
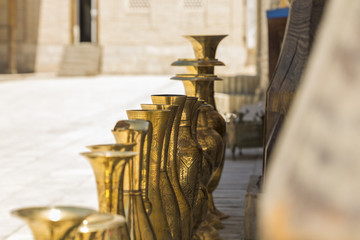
(136, 131)
(200, 69)
(108, 167)
(189, 155)
(135, 191)
(172, 164)
(167, 192)
(159, 120)
(53, 223)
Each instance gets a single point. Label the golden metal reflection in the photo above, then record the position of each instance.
(108, 167)
(122, 147)
(172, 165)
(135, 194)
(205, 46)
(53, 223)
(130, 131)
(103, 226)
(189, 155)
(168, 196)
(159, 120)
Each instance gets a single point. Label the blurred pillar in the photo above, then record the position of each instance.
(12, 37)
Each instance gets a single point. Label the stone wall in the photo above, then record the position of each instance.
(42, 30)
(136, 37)
(148, 39)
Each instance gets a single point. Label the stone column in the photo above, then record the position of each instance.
(12, 37)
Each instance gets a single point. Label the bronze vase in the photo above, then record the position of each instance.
(184, 206)
(135, 191)
(159, 120)
(53, 223)
(168, 196)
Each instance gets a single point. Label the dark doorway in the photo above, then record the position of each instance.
(85, 20)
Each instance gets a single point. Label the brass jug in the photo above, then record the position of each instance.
(53, 223)
(102, 226)
(108, 167)
(213, 146)
(189, 155)
(159, 120)
(136, 131)
(204, 47)
(135, 191)
(168, 196)
(115, 147)
(184, 206)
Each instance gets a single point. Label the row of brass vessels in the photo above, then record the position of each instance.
(157, 180)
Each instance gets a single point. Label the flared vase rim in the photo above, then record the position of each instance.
(142, 125)
(159, 104)
(130, 144)
(206, 35)
(84, 210)
(110, 154)
(168, 95)
(147, 110)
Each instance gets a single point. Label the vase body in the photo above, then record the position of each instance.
(189, 155)
(101, 226)
(53, 223)
(159, 120)
(167, 192)
(172, 166)
(135, 193)
(215, 121)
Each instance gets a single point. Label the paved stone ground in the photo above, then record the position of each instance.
(45, 122)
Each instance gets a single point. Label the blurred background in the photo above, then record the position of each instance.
(92, 37)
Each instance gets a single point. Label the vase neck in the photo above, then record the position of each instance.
(159, 120)
(199, 89)
(187, 111)
(203, 118)
(173, 110)
(133, 172)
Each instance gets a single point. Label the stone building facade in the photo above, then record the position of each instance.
(133, 36)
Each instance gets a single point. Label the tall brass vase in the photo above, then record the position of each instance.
(205, 47)
(135, 191)
(168, 196)
(136, 131)
(159, 120)
(108, 167)
(189, 155)
(53, 223)
(172, 166)
(115, 147)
